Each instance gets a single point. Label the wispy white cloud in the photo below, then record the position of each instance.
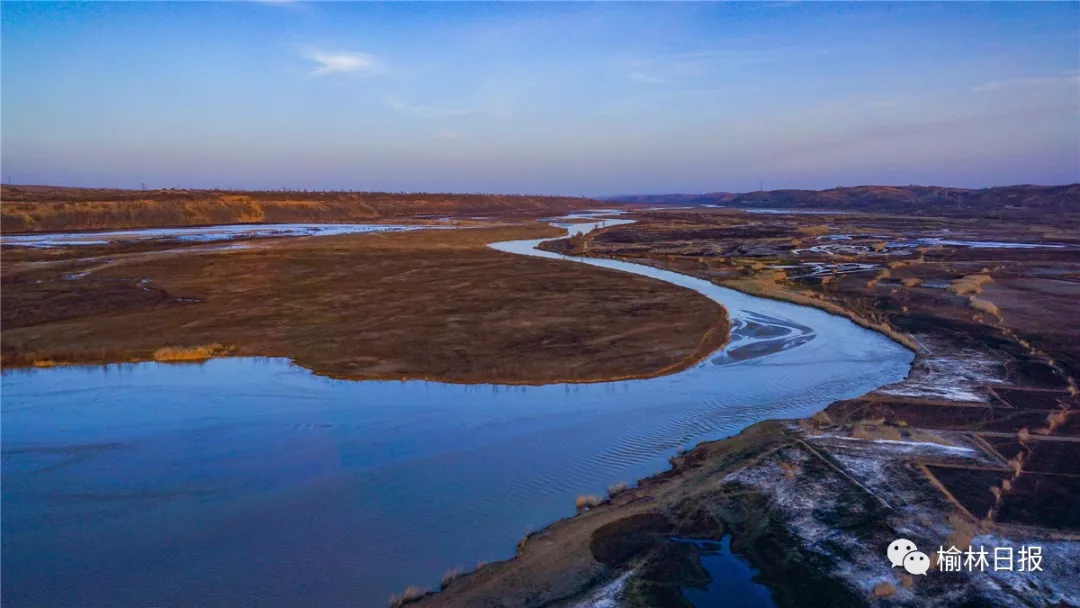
(643, 77)
(662, 69)
(431, 111)
(1031, 82)
(343, 62)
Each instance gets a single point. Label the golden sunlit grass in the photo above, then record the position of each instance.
(177, 354)
(874, 433)
(881, 275)
(884, 590)
(15, 355)
(813, 230)
(971, 284)
(617, 488)
(912, 282)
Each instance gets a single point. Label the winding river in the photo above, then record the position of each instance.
(252, 482)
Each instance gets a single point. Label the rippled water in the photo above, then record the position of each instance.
(245, 482)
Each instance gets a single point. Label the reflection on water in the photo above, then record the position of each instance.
(253, 482)
(200, 233)
(732, 584)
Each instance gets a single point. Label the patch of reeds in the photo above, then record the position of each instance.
(175, 354)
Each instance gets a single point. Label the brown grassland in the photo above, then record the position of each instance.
(427, 304)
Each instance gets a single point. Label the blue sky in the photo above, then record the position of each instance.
(561, 98)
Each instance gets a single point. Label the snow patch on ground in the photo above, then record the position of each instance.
(906, 448)
(803, 505)
(1055, 585)
(608, 595)
(950, 374)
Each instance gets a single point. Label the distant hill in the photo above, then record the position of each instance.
(49, 209)
(921, 200)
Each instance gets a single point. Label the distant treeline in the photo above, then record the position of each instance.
(50, 209)
(1006, 201)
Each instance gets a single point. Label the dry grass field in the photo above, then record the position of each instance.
(433, 304)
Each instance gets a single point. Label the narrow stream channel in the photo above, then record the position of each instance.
(252, 482)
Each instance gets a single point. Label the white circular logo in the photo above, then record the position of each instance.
(917, 563)
(898, 549)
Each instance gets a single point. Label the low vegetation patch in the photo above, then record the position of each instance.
(982, 305)
(813, 230)
(884, 590)
(451, 575)
(970, 284)
(174, 354)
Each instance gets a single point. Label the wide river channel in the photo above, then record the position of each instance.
(253, 482)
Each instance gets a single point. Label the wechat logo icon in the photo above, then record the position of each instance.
(903, 553)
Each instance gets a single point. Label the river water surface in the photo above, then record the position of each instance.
(252, 482)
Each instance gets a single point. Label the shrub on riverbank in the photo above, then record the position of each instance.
(587, 501)
(451, 575)
(410, 595)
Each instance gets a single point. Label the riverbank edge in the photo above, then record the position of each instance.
(715, 338)
(771, 434)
